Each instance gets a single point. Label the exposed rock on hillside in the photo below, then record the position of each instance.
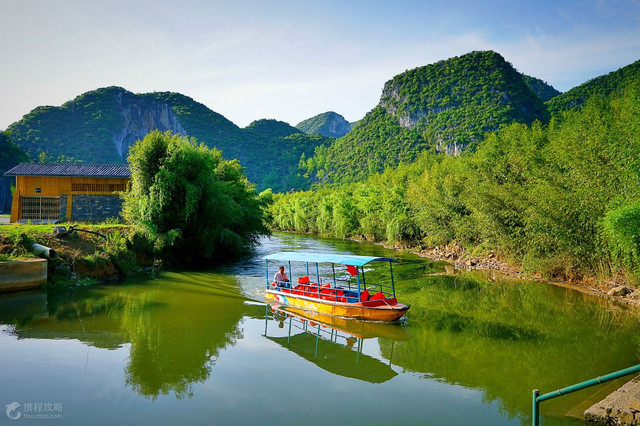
(328, 124)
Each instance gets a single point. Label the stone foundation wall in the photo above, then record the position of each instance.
(63, 208)
(95, 208)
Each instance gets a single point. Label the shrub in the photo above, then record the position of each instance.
(191, 204)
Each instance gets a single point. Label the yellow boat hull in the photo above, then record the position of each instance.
(359, 329)
(385, 312)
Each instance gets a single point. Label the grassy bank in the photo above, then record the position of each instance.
(96, 253)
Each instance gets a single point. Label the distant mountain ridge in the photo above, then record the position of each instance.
(447, 107)
(271, 128)
(603, 86)
(541, 88)
(99, 127)
(330, 124)
(443, 106)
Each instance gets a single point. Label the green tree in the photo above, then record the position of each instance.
(189, 201)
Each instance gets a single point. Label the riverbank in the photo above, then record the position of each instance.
(90, 254)
(616, 288)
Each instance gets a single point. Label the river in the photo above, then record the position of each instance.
(201, 347)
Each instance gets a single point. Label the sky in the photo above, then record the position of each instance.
(292, 59)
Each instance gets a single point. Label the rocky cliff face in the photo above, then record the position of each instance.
(391, 100)
(140, 117)
(329, 124)
(101, 125)
(337, 126)
(453, 102)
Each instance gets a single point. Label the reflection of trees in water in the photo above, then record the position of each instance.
(175, 346)
(176, 327)
(508, 338)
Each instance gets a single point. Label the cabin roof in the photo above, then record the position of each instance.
(341, 259)
(69, 169)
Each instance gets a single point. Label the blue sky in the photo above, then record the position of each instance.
(290, 59)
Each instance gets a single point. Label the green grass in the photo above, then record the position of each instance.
(32, 229)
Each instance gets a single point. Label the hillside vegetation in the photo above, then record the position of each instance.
(561, 199)
(602, 86)
(100, 126)
(329, 124)
(10, 156)
(444, 107)
(542, 89)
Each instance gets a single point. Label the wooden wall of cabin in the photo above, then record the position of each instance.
(55, 186)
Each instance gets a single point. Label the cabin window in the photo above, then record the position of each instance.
(98, 187)
(40, 208)
(38, 190)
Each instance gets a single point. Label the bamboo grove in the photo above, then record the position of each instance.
(561, 199)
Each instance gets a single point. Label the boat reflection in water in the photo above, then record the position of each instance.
(332, 343)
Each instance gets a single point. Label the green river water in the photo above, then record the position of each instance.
(202, 348)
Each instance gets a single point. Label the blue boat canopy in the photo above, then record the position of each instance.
(341, 259)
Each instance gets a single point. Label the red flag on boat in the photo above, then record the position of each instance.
(352, 270)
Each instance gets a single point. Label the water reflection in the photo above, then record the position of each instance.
(507, 338)
(334, 344)
(175, 325)
(471, 347)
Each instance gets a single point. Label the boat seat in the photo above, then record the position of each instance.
(303, 280)
(378, 296)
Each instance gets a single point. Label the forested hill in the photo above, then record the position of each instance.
(602, 86)
(271, 128)
(562, 200)
(99, 127)
(326, 124)
(10, 156)
(444, 106)
(541, 88)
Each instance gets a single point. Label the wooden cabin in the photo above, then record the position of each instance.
(67, 192)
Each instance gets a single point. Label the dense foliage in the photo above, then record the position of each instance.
(329, 124)
(445, 106)
(193, 205)
(542, 89)
(601, 86)
(271, 128)
(100, 125)
(561, 199)
(10, 156)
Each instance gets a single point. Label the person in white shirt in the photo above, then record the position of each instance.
(281, 278)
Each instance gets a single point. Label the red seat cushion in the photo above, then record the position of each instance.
(378, 296)
(364, 296)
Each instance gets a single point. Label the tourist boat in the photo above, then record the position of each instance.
(348, 295)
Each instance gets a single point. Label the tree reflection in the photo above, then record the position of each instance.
(176, 344)
(176, 325)
(507, 338)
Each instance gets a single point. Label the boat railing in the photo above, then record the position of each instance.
(344, 291)
(383, 288)
(351, 285)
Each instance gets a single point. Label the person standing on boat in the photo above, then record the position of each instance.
(281, 278)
